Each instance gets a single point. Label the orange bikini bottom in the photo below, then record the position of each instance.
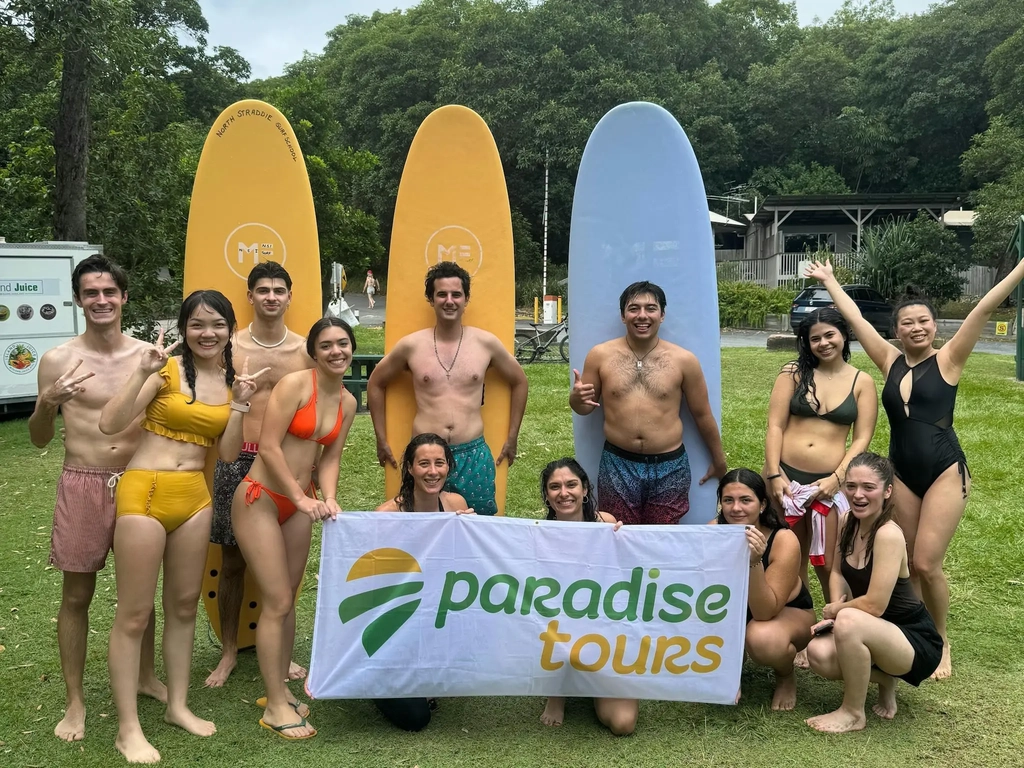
(285, 508)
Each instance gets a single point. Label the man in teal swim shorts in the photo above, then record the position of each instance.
(448, 363)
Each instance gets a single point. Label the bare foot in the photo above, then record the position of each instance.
(886, 706)
(153, 688)
(840, 721)
(184, 718)
(554, 711)
(220, 675)
(945, 668)
(135, 747)
(288, 716)
(785, 692)
(72, 727)
(801, 662)
(295, 672)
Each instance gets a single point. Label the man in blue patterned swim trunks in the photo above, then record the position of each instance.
(448, 363)
(640, 381)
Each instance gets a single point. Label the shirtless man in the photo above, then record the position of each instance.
(78, 378)
(448, 363)
(640, 380)
(267, 343)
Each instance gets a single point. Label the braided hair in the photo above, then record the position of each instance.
(806, 361)
(217, 302)
(589, 502)
(406, 498)
(883, 468)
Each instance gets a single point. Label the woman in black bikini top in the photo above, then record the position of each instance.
(809, 423)
(932, 481)
(780, 611)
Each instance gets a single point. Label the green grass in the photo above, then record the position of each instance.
(972, 720)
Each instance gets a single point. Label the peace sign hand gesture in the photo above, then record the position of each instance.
(155, 357)
(68, 385)
(245, 384)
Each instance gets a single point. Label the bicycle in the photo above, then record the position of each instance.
(531, 346)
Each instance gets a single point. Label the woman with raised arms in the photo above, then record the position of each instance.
(308, 411)
(932, 480)
(876, 629)
(818, 400)
(164, 508)
(780, 611)
(569, 496)
(426, 463)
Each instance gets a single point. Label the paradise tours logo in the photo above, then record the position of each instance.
(379, 562)
(640, 598)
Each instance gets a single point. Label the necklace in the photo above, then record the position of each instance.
(640, 360)
(448, 368)
(267, 346)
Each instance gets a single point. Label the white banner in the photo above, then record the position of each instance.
(434, 604)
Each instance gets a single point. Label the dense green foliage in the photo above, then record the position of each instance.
(867, 101)
(746, 305)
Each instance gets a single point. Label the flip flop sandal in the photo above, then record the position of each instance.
(261, 702)
(280, 730)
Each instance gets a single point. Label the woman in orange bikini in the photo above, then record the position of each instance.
(307, 410)
(190, 403)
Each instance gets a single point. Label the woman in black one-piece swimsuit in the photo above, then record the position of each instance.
(932, 480)
(876, 609)
(780, 611)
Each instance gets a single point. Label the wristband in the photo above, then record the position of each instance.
(240, 407)
(772, 477)
(838, 479)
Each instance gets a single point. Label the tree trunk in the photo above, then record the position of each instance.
(71, 137)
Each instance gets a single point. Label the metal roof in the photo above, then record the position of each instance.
(898, 201)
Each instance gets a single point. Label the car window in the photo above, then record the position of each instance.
(813, 294)
(874, 295)
(857, 294)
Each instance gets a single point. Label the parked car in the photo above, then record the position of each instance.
(872, 305)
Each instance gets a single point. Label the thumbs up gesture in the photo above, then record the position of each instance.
(585, 394)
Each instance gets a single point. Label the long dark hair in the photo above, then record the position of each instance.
(322, 325)
(806, 361)
(219, 303)
(768, 518)
(589, 501)
(406, 493)
(882, 467)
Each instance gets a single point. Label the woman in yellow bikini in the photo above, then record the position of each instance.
(308, 410)
(163, 504)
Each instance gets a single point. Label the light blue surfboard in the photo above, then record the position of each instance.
(640, 213)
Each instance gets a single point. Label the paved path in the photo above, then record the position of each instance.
(730, 338)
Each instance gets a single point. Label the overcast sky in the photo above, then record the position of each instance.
(272, 33)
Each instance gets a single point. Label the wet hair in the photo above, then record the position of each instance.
(882, 467)
(268, 270)
(806, 361)
(442, 270)
(639, 289)
(769, 518)
(406, 493)
(322, 325)
(912, 298)
(98, 265)
(219, 303)
(589, 500)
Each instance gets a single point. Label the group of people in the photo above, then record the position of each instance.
(139, 421)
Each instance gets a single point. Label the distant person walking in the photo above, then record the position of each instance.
(370, 286)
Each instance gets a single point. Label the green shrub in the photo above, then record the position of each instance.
(746, 305)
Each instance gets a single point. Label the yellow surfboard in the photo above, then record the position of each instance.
(251, 202)
(452, 205)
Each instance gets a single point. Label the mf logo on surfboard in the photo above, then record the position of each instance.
(380, 562)
(249, 244)
(457, 244)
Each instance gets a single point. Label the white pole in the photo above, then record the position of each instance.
(544, 282)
